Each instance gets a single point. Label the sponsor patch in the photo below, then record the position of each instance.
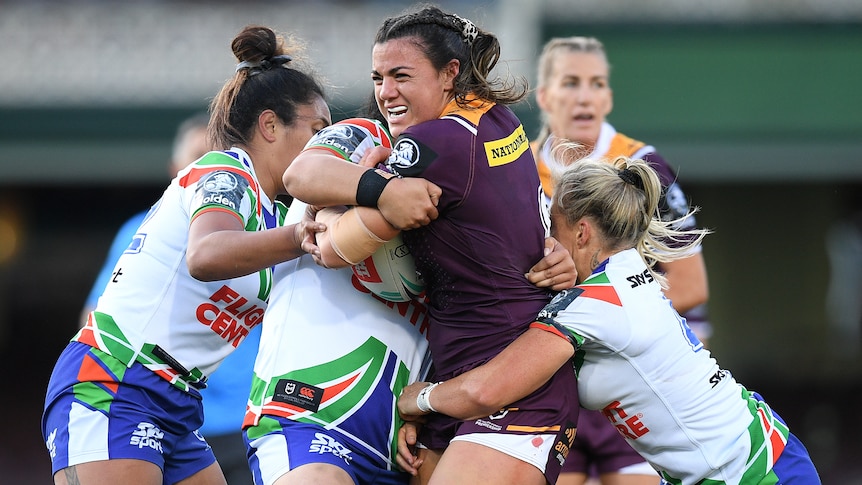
(507, 150)
(341, 138)
(298, 394)
(565, 440)
(325, 444)
(137, 244)
(147, 435)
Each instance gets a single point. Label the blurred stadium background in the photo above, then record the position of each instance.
(756, 102)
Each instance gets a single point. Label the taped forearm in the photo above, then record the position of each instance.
(350, 237)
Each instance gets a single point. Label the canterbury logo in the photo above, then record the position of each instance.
(307, 392)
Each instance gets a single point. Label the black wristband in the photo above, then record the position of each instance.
(371, 185)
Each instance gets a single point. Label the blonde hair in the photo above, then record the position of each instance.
(622, 198)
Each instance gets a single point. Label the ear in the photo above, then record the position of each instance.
(583, 232)
(450, 72)
(542, 97)
(267, 124)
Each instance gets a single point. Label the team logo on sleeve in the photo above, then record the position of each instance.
(674, 205)
(404, 155)
(222, 188)
(559, 303)
(220, 182)
(337, 137)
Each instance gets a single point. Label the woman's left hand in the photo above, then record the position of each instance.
(407, 458)
(556, 270)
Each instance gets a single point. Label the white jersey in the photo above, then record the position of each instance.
(640, 364)
(153, 311)
(331, 353)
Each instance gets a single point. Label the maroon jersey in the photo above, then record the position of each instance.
(489, 233)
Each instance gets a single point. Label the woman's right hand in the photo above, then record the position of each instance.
(556, 270)
(408, 203)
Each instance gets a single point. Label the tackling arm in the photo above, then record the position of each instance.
(514, 373)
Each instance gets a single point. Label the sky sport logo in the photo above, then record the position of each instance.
(147, 436)
(324, 444)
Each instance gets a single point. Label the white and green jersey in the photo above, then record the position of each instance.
(640, 364)
(331, 353)
(153, 311)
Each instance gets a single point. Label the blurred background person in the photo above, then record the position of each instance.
(575, 98)
(190, 143)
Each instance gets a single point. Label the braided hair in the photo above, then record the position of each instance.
(445, 36)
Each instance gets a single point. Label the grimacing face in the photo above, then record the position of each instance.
(577, 96)
(407, 87)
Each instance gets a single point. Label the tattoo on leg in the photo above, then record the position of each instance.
(71, 475)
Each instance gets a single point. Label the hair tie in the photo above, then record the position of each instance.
(468, 30)
(256, 67)
(631, 178)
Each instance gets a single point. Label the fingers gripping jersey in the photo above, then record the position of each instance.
(153, 311)
(640, 364)
(331, 353)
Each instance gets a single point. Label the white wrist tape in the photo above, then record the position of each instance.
(423, 399)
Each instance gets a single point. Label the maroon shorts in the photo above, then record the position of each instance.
(552, 409)
(598, 448)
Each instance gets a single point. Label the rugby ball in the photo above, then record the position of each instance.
(390, 272)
